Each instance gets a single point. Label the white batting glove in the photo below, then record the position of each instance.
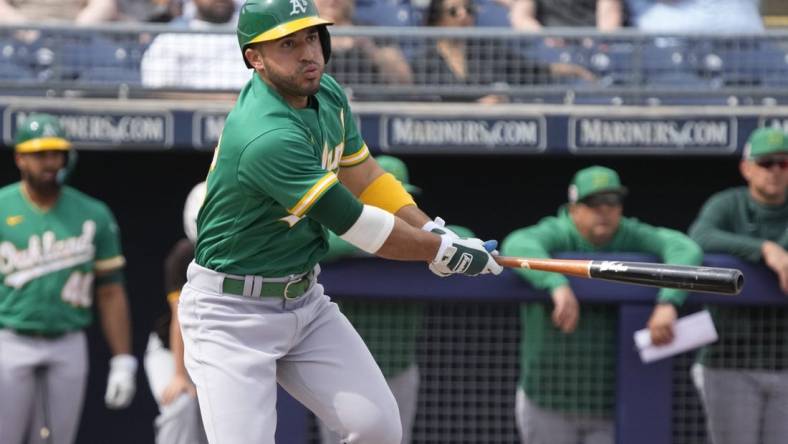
(121, 383)
(470, 257)
(438, 226)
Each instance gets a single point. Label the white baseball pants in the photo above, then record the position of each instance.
(238, 348)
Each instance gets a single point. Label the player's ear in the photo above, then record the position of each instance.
(745, 168)
(254, 56)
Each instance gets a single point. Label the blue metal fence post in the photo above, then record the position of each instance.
(644, 391)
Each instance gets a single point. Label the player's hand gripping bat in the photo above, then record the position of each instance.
(684, 277)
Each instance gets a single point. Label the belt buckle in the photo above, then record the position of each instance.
(287, 287)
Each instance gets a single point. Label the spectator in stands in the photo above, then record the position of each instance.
(158, 11)
(390, 329)
(743, 377)
(198, 61)
(80, 12)
(717, 16)
(461, 62)
(566, 387)
(358, 60)
(532, 15)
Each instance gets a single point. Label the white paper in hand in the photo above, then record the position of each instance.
(689, 332)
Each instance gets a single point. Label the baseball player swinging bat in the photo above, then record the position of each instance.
(684, 277)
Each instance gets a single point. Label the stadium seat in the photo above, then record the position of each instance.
(383, 13)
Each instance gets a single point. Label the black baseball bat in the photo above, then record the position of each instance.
(684, 277)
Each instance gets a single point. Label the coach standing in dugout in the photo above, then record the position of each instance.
(566, 388)
(290, 166)
(743, 377)
(56, 246)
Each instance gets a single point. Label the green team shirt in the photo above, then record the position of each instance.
(576, 372)
(731, 222)
(48, 259)
(272, 164)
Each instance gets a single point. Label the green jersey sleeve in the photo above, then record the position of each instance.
(109, 256)
(355, 150)
(282, 164)
(714, 231)
(537, 241)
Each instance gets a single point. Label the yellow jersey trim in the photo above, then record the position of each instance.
(355, 158)
(112, 263)
(277, 32)
(313, 194)
(387, 193)
(43, 144)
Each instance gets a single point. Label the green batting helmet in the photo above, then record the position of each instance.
(43, 132)
(265, 20)
(40, 132)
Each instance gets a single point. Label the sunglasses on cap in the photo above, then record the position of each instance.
(768, 163)
(454, 11)
(608, 199)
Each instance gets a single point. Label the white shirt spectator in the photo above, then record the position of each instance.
(717, 16)
(207, 61)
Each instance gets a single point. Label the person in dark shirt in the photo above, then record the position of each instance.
(743, 377)
(533, 15)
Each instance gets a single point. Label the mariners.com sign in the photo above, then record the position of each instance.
(414, 134)
(102, 129)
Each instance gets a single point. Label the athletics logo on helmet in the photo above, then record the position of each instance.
(40, 132)
(266, 20)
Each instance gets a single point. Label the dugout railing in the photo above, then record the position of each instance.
(466, 400)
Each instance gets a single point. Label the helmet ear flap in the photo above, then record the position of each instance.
(325, 42)
(64, 173)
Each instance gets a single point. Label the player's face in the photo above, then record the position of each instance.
(598, 217)
(39, 170)
(293, 65)
(767, 178)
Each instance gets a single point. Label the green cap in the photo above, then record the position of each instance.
(593, 180)
(399, 170)
(765, 141)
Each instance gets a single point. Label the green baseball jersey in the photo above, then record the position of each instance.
(575, 372)
(272, 164)
(48, 259)
(756, 338)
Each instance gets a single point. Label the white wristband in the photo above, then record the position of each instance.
(445, 243)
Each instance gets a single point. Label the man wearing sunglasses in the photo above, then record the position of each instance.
(743, 377)
(566, 388)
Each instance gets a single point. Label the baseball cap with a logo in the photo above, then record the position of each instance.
(594, 180)
(399, 170)
(766, 141)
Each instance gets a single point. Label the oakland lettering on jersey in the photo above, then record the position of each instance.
(490, 133)
(652, 133)
(45, 254)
